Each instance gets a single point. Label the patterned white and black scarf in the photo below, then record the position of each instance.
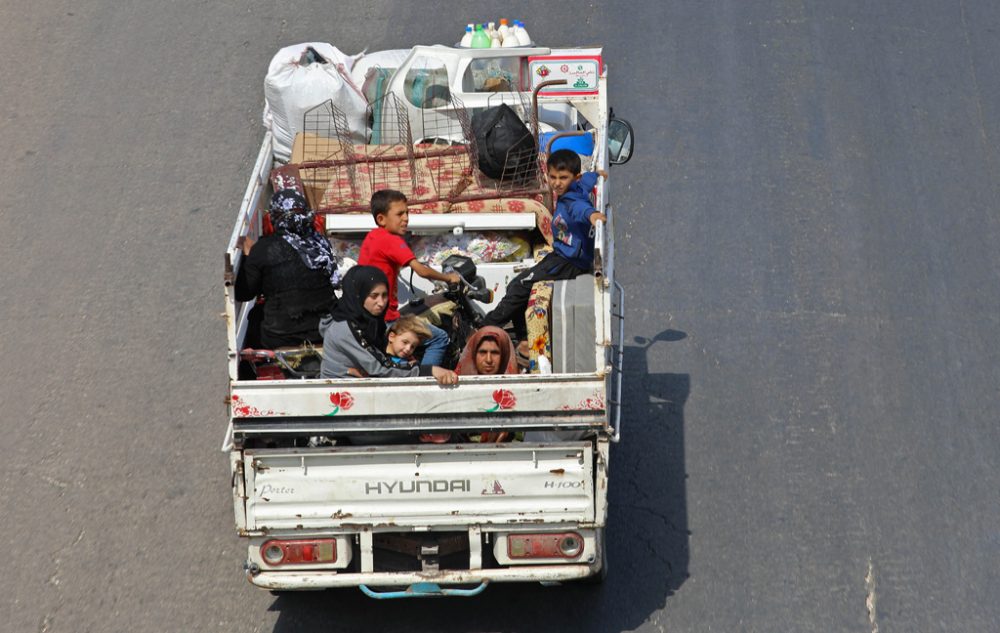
(292, 219)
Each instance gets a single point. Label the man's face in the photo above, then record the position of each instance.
(488, 357)
(396, 218)
(560, 180)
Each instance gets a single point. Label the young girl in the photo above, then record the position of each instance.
(354, 338)
(405, 336)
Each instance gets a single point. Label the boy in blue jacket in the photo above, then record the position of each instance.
(572, 241)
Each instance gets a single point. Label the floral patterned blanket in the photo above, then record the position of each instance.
(435, 179)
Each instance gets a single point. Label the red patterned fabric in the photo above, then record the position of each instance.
(430, 176)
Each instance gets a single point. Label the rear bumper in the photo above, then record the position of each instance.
(315, 580)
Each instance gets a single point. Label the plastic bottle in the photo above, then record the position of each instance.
(480, 39)
(510, 39)
(503, 30)
(495, 41)
(522, 34)
(467, 38)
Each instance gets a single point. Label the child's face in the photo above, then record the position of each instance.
(403, 344)
(560, 180)
(377, 300)
(396, 218)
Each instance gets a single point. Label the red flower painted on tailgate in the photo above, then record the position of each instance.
(340, 400)
(594, 403)
(241, 410)
(503, 399)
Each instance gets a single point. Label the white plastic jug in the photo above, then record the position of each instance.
(467, 38)
(510, 39)
(504, 30)
(523, 38)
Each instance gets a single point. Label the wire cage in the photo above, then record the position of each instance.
(323, 152)
(344, 173)
(387, 160)
(446, 153)
(521, 171)
(436, 171)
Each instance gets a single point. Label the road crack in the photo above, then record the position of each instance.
(870, 597)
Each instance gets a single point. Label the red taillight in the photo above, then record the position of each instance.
(564, 545)
(299, 552)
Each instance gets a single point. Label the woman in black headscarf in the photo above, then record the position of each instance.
(354, 338)
(294, 269)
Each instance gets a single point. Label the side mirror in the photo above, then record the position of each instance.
(620, 141)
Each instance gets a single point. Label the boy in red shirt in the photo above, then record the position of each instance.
(385, 249)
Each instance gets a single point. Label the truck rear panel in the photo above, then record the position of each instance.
(418, 486)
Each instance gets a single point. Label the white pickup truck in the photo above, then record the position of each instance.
(331, 485)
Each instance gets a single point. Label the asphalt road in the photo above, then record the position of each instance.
(808, 234)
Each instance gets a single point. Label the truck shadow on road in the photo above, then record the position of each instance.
(647, 529)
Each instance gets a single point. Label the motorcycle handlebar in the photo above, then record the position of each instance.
(461, 279)
(483, 295)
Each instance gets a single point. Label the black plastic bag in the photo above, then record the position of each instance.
(507, 149)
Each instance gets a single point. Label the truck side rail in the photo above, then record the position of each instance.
(248, 224)
(499, 396)
(277, 427)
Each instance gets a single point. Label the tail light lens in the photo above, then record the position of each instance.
(571, 545)
(564, 545)
(299, 552)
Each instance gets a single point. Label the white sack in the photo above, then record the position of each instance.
(291, 88)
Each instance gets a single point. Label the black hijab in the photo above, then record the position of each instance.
(368, 328)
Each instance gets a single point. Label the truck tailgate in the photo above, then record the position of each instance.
(418, 486)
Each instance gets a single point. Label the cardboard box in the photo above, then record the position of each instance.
(309, 147)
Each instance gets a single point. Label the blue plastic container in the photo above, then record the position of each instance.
(582, 144)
